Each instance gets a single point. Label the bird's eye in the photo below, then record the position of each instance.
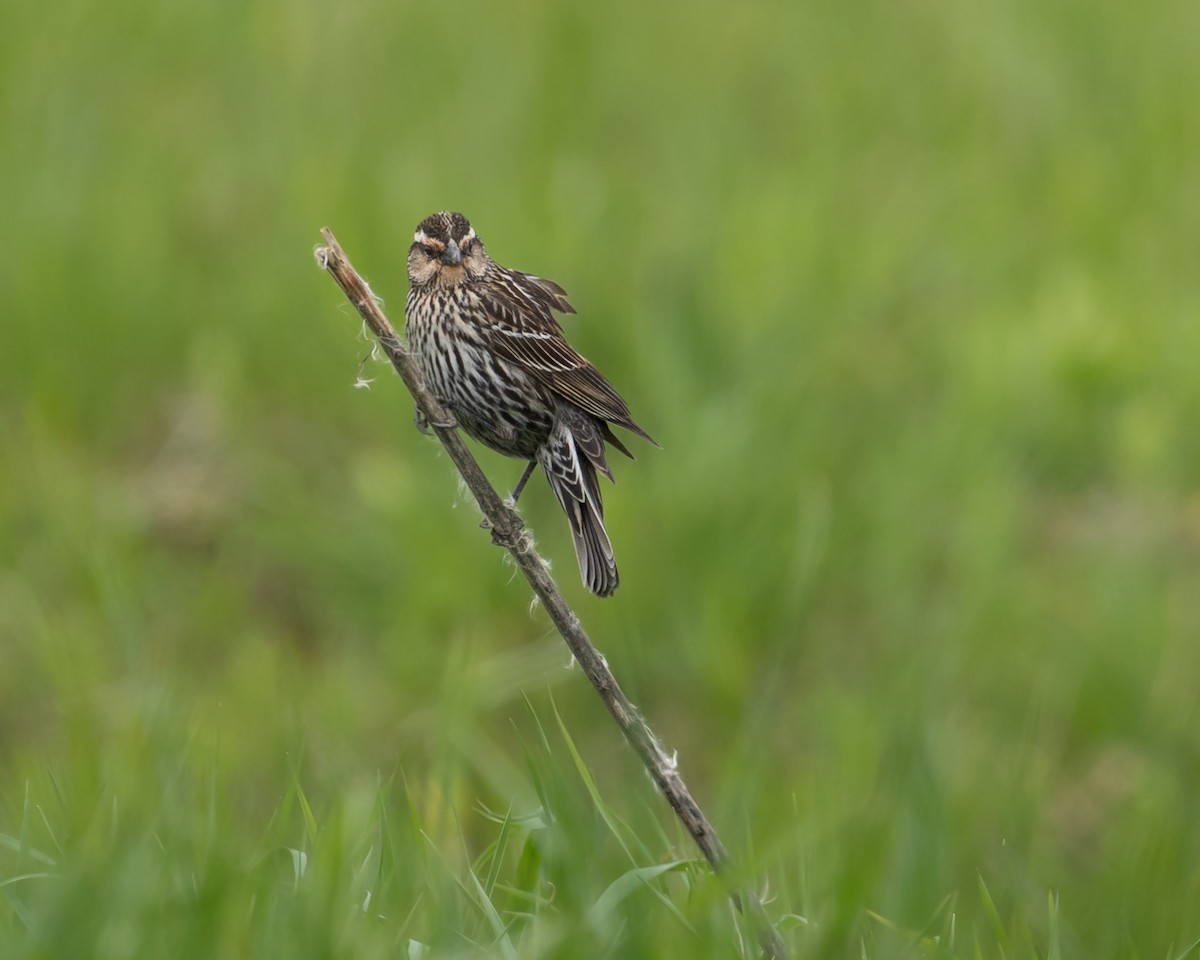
(430, 252)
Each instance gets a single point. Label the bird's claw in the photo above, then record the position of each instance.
(504, 538)
(424, 423)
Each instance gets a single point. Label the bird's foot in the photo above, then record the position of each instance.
(423, 422)
(508, 537)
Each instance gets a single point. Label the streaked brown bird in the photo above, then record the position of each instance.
(494, 354)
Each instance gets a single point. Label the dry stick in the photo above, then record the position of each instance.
(507, 531)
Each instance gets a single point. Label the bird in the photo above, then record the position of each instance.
(492, 351)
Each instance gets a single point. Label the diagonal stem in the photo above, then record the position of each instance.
(506, 526)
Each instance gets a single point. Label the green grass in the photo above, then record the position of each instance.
(906, 291)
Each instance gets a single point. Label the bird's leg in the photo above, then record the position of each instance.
(529, 468)
(509, 539)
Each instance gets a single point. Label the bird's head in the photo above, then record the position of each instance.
(445, 251)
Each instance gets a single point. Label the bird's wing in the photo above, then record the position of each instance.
(554, 296)
(524, 331)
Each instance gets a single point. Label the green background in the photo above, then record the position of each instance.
(908, 293)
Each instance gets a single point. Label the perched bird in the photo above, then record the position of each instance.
(493, 353)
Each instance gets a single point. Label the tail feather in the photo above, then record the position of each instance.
(569, 460)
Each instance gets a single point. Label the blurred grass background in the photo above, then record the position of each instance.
(908, 292)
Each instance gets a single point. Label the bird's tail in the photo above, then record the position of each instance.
(570, 459)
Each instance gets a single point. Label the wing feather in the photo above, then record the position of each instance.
(525, 332)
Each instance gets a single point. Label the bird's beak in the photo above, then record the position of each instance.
(453, 256)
